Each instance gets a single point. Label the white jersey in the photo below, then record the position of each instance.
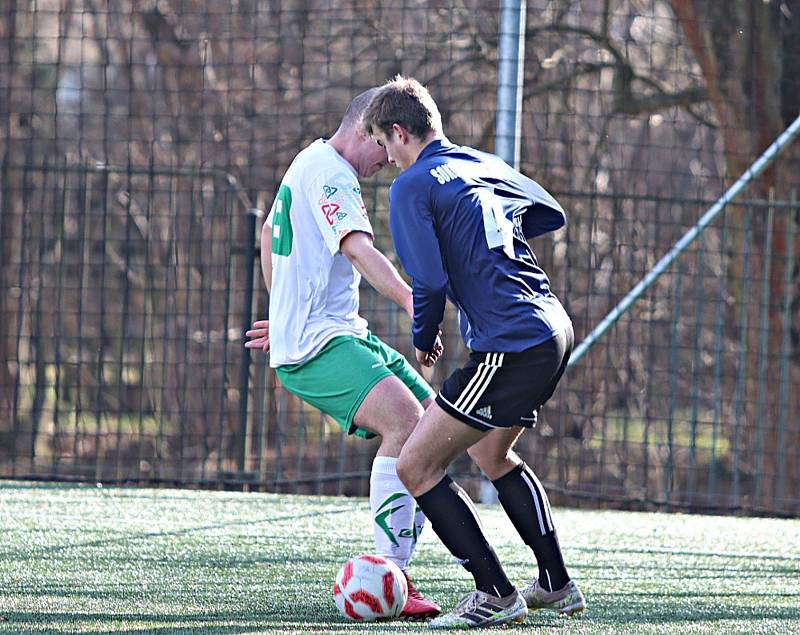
(314, 294)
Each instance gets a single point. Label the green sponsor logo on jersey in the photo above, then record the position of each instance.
(282, 222)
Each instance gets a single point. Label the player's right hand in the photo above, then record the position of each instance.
(259, 335)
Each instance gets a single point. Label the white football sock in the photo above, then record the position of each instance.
(396, 519)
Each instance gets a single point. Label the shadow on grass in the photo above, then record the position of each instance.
(312, 619)
(149, 535)
(667, 551)
(311, 622)
(677, 608)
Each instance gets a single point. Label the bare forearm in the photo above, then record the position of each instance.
(383, 276)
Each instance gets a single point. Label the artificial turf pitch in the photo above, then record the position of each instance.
(84, 559)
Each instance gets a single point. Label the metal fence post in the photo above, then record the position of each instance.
(510, 74)
(247, 314)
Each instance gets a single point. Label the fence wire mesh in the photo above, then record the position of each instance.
(135, 137)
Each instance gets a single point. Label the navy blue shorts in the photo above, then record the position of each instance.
(503, 390)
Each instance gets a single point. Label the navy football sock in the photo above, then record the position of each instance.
(525, 501)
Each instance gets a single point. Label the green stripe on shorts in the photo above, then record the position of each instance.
(338, 378)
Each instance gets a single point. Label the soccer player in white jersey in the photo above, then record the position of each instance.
(460, 219)
(315, 246)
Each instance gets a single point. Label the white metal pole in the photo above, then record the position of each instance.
(510, 73)
(758, 166)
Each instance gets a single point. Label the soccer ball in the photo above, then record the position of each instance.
(370, 587)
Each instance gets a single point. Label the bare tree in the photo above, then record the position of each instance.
(749, 53)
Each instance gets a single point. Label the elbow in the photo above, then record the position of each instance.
(538, 225)
(556, 220)
(430, 292)
(428, 279)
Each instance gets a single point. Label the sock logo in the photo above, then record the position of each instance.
(384, 511)
(417, 528)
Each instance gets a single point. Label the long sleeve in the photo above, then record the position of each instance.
(544, 215)
(415, 241)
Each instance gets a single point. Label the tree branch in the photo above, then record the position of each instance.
(625, 101)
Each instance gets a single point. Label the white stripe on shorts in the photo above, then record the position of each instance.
(498, 362)
(467, 415)
(476, 378)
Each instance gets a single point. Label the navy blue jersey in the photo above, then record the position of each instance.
(459, 219)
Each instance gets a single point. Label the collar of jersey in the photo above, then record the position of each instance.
(435, 146)
(338, 156)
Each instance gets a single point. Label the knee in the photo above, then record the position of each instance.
(411, 473)
(404, 471)
(493, 464)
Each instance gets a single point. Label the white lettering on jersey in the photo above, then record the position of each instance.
(443, 173)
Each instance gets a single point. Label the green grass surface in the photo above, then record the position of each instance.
(81, 559)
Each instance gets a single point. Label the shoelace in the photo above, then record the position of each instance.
(468, 603)
(537, 587)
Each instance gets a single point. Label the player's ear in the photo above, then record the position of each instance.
(400, 132)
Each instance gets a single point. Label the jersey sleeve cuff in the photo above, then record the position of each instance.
(424, 341)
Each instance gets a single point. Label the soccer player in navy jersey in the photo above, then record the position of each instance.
(460, 220)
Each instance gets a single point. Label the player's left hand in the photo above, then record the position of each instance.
(259, 336)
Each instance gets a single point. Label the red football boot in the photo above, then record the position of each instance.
(417, 607)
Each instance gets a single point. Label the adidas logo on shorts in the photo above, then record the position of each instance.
(485, 412)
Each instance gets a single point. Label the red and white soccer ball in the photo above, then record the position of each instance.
(370, 587)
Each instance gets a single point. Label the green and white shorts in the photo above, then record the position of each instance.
(338, 378)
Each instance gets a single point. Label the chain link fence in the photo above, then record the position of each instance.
(136, 139)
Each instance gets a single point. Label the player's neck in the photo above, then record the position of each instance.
(345, 142)
(418, 145)
(339, 143)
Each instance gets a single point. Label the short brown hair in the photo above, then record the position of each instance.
(404, 101)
